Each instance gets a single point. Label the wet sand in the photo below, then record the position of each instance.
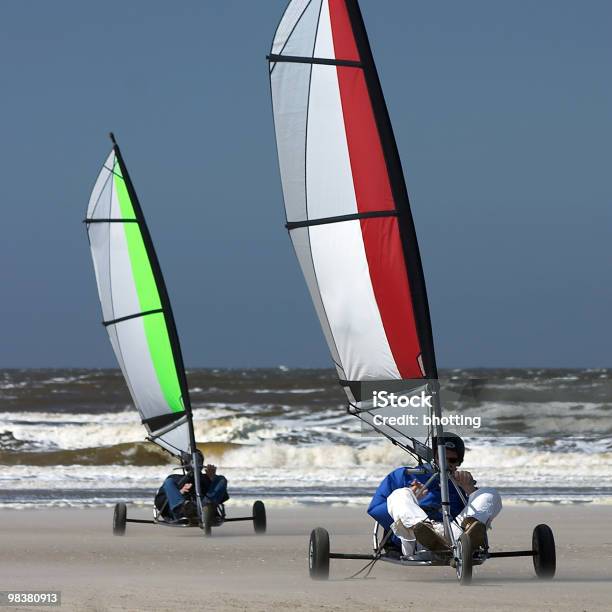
(156, 568)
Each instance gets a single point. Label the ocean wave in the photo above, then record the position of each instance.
(8, 442)
(567, 427)
(104, 390)
(317, 473)
(76, 430)
(128, 454)
(222, 423)
(315, 457)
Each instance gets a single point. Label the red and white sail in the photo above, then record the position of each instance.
(346, 203)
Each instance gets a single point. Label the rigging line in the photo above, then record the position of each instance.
(399, 432)
(112, 171)
(369, 566)
(412, 452)
(154, 440)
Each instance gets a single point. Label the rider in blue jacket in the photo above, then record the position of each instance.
(412, 511)
(431, 502)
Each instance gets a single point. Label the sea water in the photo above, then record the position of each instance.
(73, 438)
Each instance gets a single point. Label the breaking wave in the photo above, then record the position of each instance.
(284, 433)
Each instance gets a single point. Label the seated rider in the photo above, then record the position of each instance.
(403, 504)
(179, 489)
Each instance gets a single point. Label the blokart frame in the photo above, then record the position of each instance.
(207, 515)
(461, 556)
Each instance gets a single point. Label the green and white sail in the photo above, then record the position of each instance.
(136, 309)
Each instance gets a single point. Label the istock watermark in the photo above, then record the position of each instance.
(382, 399)
(408, 408)
(544, 405)
(413, 420)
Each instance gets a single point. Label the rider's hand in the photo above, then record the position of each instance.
(465, 480)
(419, 489)
(186, 488)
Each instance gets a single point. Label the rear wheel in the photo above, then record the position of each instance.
(544, 555)
(464, 560)
(259, 517)
(318, 554)
(208, 518)
(119, 519)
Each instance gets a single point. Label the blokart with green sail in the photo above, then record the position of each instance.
(350, 222)
(140, 324)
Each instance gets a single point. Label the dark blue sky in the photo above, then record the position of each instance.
(503, 116)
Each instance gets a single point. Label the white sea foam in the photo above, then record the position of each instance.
(325, 473)
(214, 423)
(314, 476)
(252, 425)
(384, 455)
(10, 385)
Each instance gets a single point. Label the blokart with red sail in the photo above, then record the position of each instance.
(350, 222)
(139, 321)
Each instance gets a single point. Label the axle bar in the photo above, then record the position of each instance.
(350, 556)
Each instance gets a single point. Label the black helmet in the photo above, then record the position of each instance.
(452, 441)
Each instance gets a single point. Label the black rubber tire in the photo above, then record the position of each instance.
(119, 519)
(208, 518)
(318, 554)
(259, 517)
(544, 554)
(465, 560)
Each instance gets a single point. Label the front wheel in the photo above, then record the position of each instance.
(318, 554)
(259, 517)
(464, 560)
(119, 519)
(544, 555)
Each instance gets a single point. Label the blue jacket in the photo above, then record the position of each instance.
(431, 503)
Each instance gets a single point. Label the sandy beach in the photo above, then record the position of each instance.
(154, 568)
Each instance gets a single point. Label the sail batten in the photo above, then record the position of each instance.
(297, 59)
(136, 309)
(346, 202)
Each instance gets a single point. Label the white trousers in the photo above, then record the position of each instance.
(403, 507)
